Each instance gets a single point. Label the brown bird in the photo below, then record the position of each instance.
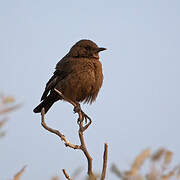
(78, 76)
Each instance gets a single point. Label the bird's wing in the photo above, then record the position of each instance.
(58, 75)
(64, 68)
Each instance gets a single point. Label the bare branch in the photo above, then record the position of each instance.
(63, 138)
(82, 146)
(81, 130)
(84, 149)
(66, 175)
(65, 98)
(104, 161)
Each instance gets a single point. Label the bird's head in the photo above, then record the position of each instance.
(85, 48)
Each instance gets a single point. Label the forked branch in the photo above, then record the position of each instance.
(80, 132)
(58, 133)
(82, 146)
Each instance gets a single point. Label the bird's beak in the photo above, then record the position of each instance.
(101, 49)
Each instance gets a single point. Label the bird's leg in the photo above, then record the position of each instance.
(77, 108)
(85, 117)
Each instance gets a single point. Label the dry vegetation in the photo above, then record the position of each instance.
(158, 164)
(19, 174)
(7, 105)
(83, 121)
(158, 167)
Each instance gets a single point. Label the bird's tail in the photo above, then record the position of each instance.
(46, 104)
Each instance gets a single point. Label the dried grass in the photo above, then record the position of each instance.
(168, 158)
(158, 169)
(19, 174)
(157, 155)
(159, 161)
(138, 162)
(6, 105)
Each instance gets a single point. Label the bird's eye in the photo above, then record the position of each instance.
(87, 48)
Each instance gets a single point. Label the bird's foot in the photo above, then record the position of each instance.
(85, 117)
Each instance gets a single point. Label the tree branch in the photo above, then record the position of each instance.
(82, 146)
(65, 98)
(66, 175)
(54, 131)
(103, 174)
(81, 130)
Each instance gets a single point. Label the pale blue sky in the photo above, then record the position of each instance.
(138, 105)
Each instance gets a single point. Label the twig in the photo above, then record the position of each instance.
(65, 98)
(63, 138)
(103, 174)
(84, 149)
(81, 130)
(81, 137)
(66, 175)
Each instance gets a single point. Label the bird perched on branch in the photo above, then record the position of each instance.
(78, 76)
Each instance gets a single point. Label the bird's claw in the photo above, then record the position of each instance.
(85, 117)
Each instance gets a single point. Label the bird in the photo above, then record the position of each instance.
(78, 76)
